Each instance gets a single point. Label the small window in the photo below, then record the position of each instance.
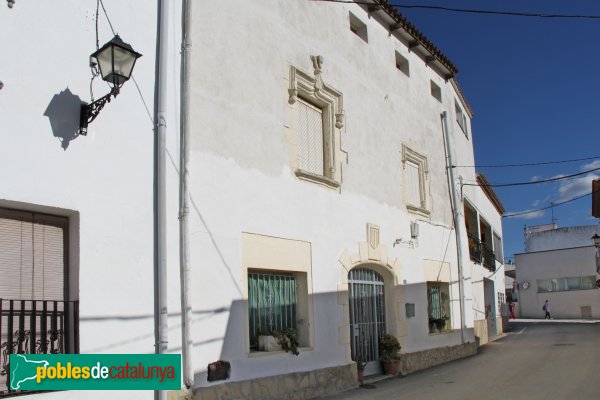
(358, 27)
(461, 118)
(438, 307)
(436, 91)
(402, 64)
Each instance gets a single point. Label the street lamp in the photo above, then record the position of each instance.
(115, 60)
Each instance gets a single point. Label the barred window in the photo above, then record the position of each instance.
(438, 306)
(271, 304)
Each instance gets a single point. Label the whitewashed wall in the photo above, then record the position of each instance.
(242, 180)
(561, 263)
(103, 182)
(561, 238)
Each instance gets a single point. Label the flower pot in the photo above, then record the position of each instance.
(391, 367)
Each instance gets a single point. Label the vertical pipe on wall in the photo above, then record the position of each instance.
(184, 208)
(456, 215)
(160, 224)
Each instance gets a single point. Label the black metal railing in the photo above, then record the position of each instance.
(489, 258)
(36, 327)
(474, 248)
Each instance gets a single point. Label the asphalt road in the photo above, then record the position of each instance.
(536, 360)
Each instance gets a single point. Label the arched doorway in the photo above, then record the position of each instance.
(367, 316)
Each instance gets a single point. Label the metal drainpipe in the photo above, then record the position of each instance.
(184, 208)
(456, 215)
(160, 220)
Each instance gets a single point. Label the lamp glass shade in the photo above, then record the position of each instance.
(596, 240)
(116, 60)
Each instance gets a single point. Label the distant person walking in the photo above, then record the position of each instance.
(547, 309)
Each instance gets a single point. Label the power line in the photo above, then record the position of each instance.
(559, 178)
(473, 11)
(527, 164)
(552, 205)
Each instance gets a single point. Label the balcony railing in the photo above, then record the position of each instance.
(36, 327)
(489, 259)
(481, 253)
(474, 248)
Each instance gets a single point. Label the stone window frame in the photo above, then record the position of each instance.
(420, 160)
(312, 90)
(280, 256)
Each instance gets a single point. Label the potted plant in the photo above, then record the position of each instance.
(389, 354)
(360, 368)
(288, 340)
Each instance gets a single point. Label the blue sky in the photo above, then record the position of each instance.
(534, 85)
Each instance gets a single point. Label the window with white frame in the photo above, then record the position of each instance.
(461, 118)
(415, 174)
(318, 120)
(566, 284)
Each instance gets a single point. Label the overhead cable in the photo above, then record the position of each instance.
(552, 205)
(527, 164)
(558, 178)
(473, 11)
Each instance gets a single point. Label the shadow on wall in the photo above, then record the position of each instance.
(63, 113)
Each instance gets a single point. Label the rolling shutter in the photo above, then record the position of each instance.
(310, 138)
(32, 256)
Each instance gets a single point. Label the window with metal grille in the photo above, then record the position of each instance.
(310, 138)
(438, 306)
(271, 304)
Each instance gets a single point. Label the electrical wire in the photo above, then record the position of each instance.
(527, 164)
(552, 205)
(472, 11)
(108, 19)
(559, 178)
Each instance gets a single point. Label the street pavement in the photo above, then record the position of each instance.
(537, 359)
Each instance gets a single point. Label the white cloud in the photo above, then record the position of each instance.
(594, 164)
(575, 187)
(530, 215)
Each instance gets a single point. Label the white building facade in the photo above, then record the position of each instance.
(560, 265)
(318, 156)
(318, 182)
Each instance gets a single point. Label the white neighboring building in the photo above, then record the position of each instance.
(559, 265)
(76, 211)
